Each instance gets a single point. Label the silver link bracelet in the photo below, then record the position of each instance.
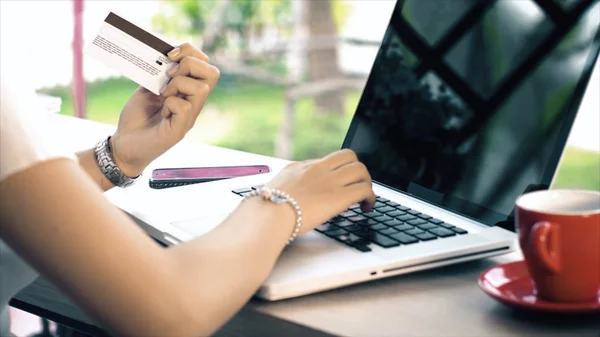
(108, 166)
(279, 197)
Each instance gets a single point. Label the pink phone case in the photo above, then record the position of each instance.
(172, 177)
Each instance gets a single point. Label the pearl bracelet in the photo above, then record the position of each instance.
(279, 197)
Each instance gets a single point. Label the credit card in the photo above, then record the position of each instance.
(133, 52)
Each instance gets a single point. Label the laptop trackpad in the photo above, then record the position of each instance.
(200, 226)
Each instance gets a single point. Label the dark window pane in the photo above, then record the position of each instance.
(432, 18)
(496, 45)
(417, 135)
(414, 122)
(566, 4)
(533, 113)
(395, 48)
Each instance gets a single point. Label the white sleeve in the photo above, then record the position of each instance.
(25, 138)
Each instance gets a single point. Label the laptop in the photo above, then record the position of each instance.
(454, 124)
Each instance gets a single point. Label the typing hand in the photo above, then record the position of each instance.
(149, 125)
(323, 188)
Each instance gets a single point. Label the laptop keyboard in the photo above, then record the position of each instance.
(387, 225)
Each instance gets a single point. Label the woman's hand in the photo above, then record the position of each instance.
(326, 187)
(149, 125)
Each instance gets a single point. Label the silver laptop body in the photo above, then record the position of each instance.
(414, 171)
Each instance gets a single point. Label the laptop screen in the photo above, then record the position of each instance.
(469, 103)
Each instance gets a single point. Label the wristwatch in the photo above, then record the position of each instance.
(108, 166)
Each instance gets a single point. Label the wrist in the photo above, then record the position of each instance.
(108, 167)
(278, 197)
(129, 169)
(276, 219)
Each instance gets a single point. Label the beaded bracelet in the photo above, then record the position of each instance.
(279, 197)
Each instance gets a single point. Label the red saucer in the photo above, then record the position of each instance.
(511, 284)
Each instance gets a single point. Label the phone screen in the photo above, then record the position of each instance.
(208, 172)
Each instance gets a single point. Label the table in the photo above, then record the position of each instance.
(440, 302)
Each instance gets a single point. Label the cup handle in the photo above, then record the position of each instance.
(544, 239)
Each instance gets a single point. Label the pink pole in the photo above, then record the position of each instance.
(78, 85)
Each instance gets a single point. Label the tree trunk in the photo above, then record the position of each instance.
(246, 42)
(215, 26)
(323, 62)
(297, 62)
(283, 148)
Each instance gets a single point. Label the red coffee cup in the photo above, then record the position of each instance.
(559, 234)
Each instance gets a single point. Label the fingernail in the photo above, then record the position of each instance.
(173, 70)
(174, 52)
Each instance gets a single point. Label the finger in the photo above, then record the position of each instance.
(367, 205)
(362, 193)
(184, 50)
(180, 112)
(340, 158)
(195, 91)
(196, 68)
(353, 173)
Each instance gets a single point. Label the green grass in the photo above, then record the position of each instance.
(579, 169)
(255, 112)
(105, 99)
(254, 109)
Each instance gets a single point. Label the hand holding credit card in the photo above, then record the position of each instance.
(132, 51)
(175, 83)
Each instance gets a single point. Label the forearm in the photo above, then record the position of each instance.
(223, 269)
(119, 275)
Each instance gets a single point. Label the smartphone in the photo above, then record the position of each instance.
(172, 177)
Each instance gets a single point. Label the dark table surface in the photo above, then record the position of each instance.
(42, 299)
(440, 302)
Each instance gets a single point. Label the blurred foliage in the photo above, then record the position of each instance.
(249, 20)
(255, 109)
(189, 17)
(341, 11)
(255, 112)
(192, 16)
